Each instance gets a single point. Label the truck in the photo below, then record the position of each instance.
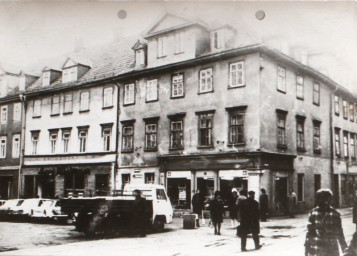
(110, 214)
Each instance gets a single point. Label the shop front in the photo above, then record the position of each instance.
(179, 188)
(8, 184)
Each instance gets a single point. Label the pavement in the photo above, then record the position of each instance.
(279, 236)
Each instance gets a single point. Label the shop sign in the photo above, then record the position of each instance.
(179, 174)
(231, 174)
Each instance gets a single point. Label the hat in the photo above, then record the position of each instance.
(251, 192)
(234, 190)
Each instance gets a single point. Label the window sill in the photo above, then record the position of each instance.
(83, 111)
(151, 101)
(235, 86)
(282, 146)
(177, 97)
(205, 147)
(150, 149)
(57, 114)
(211, 91)
(175, 149)
(242, 144)
(317, 151)
(281, 91)
(300, 98)
(316, 104)
(161, 57)
(67, 113)
(128, 104)
(36, 117)
(127, 151)
(107, 107)
(299, 149)
(178, 53)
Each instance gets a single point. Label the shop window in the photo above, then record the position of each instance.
(101, 184)
(301, 187)
(74, 183)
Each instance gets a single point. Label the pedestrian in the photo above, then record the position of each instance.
(242, 197)
(232, 206)
(249, 223)
(197, 205)
(264, 205)
(139, 216)
(324, 228)
(354, 212)
(292, 203)
(217, 210)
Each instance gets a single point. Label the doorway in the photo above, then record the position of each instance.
(206, 187)
(281, 194)
(6, 187)
(179, 192)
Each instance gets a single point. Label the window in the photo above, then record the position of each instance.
(316, 94)
(35, 136)
(17, 111)
(107, 136)
(177, 89)
(151, 134)
(281, 123)
(53, 140)
(3, 114)
(68, 103)
(66, 136)
(316, 134)
(301, 187)
(140, 57)
(37, 108)
(46, 78)
(55, 105)
(161, 46)
(352, 112)
(107, 97)
(206, 80)
(235, 126)
(179, 41)
(205, 121)
(345, 144)
(128, 136)
(299, 87)
(352, 146)
(281, 79)
(176, 131)
(84, 101)
(236, 74)
(355, 107)
(74, 182)
(217, 39)
(151, 90)
(160, 194)
(337, 142)
(345, 109)
(300, 141)
(69, 75)
(337, 105)
(82, 136)
(2, 146)
(16, 145)
(125, 179)
(129, 94)
(149, 178)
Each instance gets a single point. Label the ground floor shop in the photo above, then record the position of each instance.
(67, 180)
(9, 183)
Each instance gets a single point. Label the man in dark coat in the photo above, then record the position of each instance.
(198, 205)
(139, 214)
(264, 205)
(249, 223)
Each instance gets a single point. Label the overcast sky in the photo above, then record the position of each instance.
(32, 31)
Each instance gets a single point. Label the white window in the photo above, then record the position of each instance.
(281, 79)
(35, 136)
(66, 136)
(151, 90)
(299, 87)
(68, 103)
(3, 114)
(316, 97)
(55, 105)
(179, 42)
(69, 75)
(46, 78)
(177, 89)
(106, 135)
(345, 109)
(84, 101)
(129, 94)
(2, 147)
(16, 146)
(53, 141)
(37, 108)
(337, 105)
(161, 46)
(345, 144)
(82, 136)
(206, 80)
(352, 145)
(17, 111)
(108, 97)
(236, 74)
(217, 39)
(140, 57)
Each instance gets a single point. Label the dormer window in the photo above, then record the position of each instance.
(22, 83)
(161, 46)
(140, 57)
(46, 78)
(217, 38)
(69, 75)
(179, 42)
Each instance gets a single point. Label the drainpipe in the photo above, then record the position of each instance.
(117, 133)
(22, 143)
(332, 153)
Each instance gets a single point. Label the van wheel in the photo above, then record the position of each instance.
(159, 224)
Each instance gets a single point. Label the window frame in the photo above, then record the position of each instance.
(301, 182)
(3, 147)
(299, 87)
(149, 178)
(107, 139)
(237, 114)
(281, 80)
(177, 134)
(281, 115)
(16, 147)
(35, 139)
(149, 122)
(300, 134)
(85, 100)
(36, 113)
(173, 83)
(4, 116)
(107, 103)
(230, 72)
(66, 140)
(152, 88)
(352, 145)
(179, 42)
(53, 140)
(316, 94)
(316, 133)
(126, 92)
(205, 131)
(126, 137)
(203, 76)
(337, 105)
(352, 112)
(53, 104)
(70, 102)
(83, 138)
(346, 152)
(337, 141)
(17, 111)
(162, 46)
(345, 109)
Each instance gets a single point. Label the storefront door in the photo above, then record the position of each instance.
(206, 187)
(281, 192)
(179, 192)
(5, 187)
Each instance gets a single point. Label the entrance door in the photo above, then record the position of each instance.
(30, 190)
(281, 192)
(206, 187)
(5, 187)
(227, 186)
(336, 192)
(179, 192)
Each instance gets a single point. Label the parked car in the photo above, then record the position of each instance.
(49, 209)
(27, 206)
(8, 206)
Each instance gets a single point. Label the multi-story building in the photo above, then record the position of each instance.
(200, 111)
(71, 125)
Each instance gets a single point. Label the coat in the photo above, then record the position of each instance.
(264, 204)
(217, 210)
(292, 204)
(354, 213)
(233, 207)
(197, 203)
(324, 233)
(249, 213)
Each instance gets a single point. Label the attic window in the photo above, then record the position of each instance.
(161, 46)
(46, 78)
(140, 57)
(69, 75)
(217, 39)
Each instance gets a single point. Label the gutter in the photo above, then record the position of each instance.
(117, 134)
(22, 143)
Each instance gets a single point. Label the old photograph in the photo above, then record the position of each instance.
(178, 128)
